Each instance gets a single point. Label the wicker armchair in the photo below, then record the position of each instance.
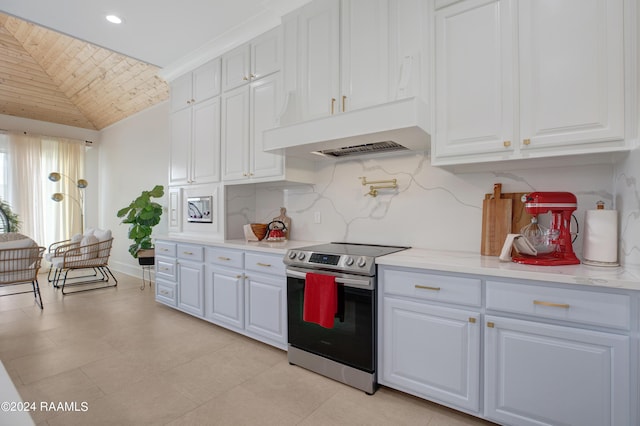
(21, 266)
(69, 260)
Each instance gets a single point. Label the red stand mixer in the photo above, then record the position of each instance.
(554, 245)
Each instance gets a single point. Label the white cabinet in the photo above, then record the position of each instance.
(542, 374)
(195, 144)
(252, 61)
(196, 86)
(432, 351)
(343, 56)
(195, 127)
(166, 273)
(225, 296)
(235, 134)
(266, 297)
(429, 350)
(190, 274)
(527, 79)
(246, 292)
(246, 112)
(537, 373)
(191, 287)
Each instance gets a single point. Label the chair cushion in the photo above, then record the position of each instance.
(76, 238)
(12, 240)
(88, 252)
(102, 234)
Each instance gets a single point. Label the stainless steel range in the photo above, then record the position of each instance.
(331, 305)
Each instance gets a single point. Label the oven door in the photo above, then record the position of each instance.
(352, 340)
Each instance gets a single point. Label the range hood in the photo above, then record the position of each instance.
(391, 127)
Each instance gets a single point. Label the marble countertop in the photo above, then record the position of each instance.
(474, 263)
(275, 247)
(456, 261)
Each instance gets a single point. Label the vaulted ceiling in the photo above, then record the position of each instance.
(48, 76)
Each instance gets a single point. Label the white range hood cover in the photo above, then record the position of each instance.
(403, 122)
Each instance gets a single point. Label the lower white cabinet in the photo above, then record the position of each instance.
(544, 374)
(427, 348)
(266, 306)
(526, 353)
(432, 352)
(190, 287)
(225, 296)
(242, 291)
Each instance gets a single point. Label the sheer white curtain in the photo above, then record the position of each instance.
(31, 159)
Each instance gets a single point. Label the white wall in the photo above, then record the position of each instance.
(134, 156)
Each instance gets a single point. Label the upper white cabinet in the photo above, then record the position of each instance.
(252, 61)
(524, 79)
(196, 86)
(343, 56)
(246, 112)
(195, 126)
(195, 144)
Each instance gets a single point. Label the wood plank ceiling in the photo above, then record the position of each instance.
(48, 76)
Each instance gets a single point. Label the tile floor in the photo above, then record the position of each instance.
(136, 362)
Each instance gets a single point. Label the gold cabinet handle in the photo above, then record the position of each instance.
(472, 320)
(267, 265)
(344, 100)
(164, 249)
(164, 292)
(238, 276)
(490, 325)
(164, 269)
(506, 144)
(551, 304)
(252, 75)
(245, 78)
(526, 141)
(188, 253)
(426, 287)
(333, 105)
(223, 258)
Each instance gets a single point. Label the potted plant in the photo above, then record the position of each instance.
(142, 215)
(8, 219)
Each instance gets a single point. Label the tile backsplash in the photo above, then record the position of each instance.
(432, 207)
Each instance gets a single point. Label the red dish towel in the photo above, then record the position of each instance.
(320, 299)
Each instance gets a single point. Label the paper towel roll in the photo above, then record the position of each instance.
(600, 244)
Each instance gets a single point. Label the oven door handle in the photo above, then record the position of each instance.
(351, 281)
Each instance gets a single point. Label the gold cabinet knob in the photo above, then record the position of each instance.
(245, 78)
(526, 141)
(506, 144)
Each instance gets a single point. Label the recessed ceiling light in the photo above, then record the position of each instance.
(114, 19)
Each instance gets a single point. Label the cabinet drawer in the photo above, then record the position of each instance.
(164, 248)
(441, 288)
(166, 268)
(166, 292)
(266, 263)
(225, 257)
(189, 252)
(589, 307)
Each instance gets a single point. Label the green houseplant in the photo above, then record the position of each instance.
(8, 219)
(142, 215)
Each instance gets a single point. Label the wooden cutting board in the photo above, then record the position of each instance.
(519, 217)
(496, 221)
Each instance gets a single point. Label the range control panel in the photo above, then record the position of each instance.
(361, 265)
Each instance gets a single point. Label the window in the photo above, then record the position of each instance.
(4, 169)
